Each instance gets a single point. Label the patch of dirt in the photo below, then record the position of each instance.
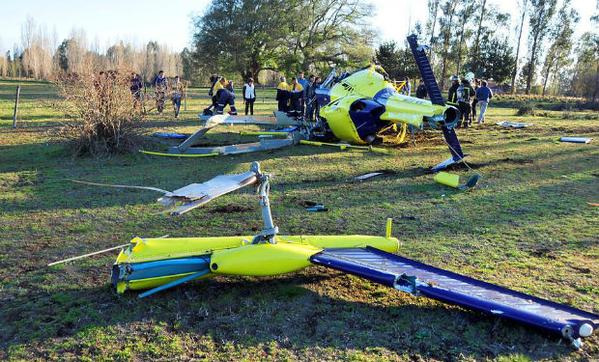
(515, 161)
(231, 208)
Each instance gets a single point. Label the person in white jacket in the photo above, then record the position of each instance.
(249, 96)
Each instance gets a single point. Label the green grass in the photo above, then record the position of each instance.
(527, 226)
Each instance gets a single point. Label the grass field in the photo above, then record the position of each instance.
(527, 226)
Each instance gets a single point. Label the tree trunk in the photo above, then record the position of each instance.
(596, 92)
(446, 44)
(460, 46)
(531, 63)
(430, 51)
(478, 31)
(546, 79)
(515, 72)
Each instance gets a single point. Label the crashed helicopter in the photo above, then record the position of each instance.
(355, 109)
(157, 264)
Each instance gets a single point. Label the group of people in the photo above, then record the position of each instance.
(467, 96)
(297, 98)
(222, 93)
(163, 89)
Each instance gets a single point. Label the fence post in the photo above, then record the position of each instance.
(14, 115)
(185, 100)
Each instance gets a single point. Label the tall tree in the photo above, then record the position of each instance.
(242, 36)
(431, 24)
(496, 57)
(448, 10)
(561, 42)
(397, 61)
(486, 30)
(479, 29)
(464, 14)
(540, 16)
(330, 32)
(523, 6)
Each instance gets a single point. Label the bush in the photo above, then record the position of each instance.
(102, 116)
(526, 110)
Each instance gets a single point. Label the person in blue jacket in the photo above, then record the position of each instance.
(484, 95)
(305, 83)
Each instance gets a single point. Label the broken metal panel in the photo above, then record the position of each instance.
(263, 145)
(193, 139)
(279, 119)
(195, 195)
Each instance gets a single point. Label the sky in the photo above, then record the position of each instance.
(169, 22)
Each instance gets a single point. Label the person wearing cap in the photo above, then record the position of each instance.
(283, 95)
(249, 96)
(452, 96)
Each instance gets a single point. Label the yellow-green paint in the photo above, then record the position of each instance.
(343, 146)
(143, 250)
(262, 259)
(367, 83)
(234, 255)
(447, 179)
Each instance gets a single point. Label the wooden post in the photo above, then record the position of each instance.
(185, 100)
(14, 115)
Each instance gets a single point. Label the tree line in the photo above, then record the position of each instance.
(40, 56)
(475, 36)
(261, 38)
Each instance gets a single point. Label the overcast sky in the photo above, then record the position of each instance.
(169, 22)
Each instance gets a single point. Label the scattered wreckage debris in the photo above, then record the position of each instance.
(453, 180)
(576, 139)
(509, 124)
(194, 195)
(170, 135)
(358, 109)
(157, 264)
(374, 174)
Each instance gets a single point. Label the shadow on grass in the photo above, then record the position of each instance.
(250, 312)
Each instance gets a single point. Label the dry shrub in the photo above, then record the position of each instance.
(102, 116)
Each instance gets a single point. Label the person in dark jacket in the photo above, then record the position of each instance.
(465, 94)
(135, 88)
(160, 85)
(224, 97)
(283, 95)
(249, 96)
(296, 93)
(452, 96)
(212, 94)
(310, 92)
(421, 90)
